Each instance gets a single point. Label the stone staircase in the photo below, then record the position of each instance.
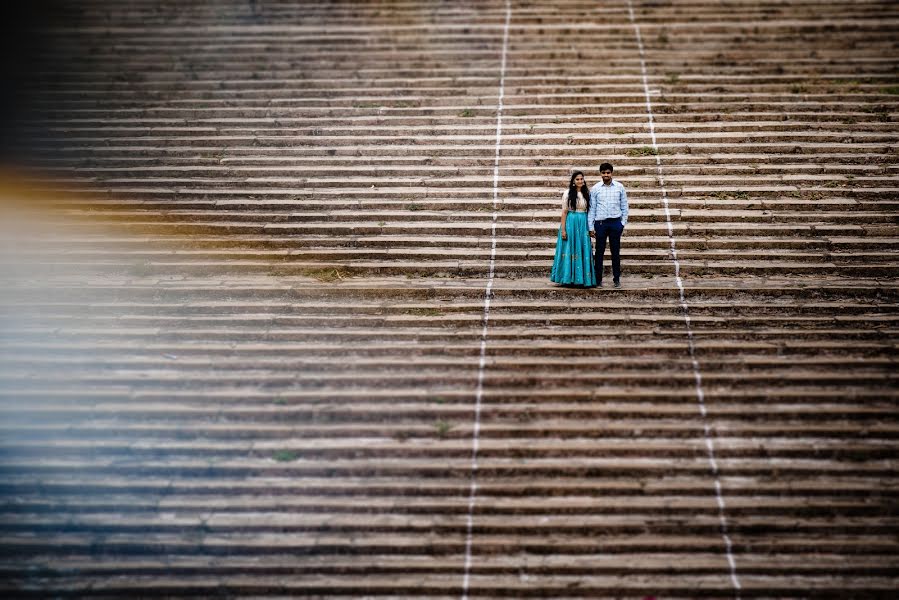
(244, 312)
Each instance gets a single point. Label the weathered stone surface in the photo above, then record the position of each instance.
(242, 317)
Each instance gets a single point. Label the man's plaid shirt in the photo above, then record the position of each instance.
(607, 202)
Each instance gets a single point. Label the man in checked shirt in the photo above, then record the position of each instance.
(607, 218)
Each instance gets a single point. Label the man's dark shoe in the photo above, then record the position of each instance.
(617, 284)
(599, 284)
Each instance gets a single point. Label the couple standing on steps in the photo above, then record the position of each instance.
(601, 211)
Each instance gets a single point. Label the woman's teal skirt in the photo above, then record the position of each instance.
(573, 264)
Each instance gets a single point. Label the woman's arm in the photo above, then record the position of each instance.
(564, 215)
(591, 214)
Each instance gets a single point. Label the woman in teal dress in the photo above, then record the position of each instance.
(573, 264)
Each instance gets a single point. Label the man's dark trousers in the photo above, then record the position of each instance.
(611, 228)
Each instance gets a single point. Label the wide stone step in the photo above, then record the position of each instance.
(393, 378)
(602, 526)
(481, 232)
(696, 563)
(636, 240)
(211, 417)
(438, 543)
(744, 492)
(254, 368)
(436, 586)
(416, 260)
(454, 467)
(547, 218)
(550, 508)
(251, 345)
(547, 440)
(545, 306)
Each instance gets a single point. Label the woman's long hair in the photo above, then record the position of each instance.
(572, 192)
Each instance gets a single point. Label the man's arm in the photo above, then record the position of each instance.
(623, 201)
(591, 214)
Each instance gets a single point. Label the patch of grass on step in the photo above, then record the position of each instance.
(442, 428)
(285, 455)
(642, 151)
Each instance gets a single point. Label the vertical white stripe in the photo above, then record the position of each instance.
(697, 375)
(488, 292)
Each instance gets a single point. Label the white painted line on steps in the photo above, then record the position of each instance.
(482, 363)
(697, 375)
